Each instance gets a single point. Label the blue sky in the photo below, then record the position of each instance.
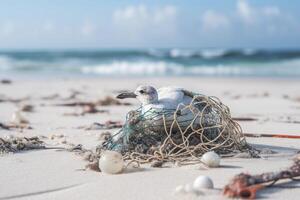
(65, 24)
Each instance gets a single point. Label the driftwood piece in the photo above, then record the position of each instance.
(246, 185)
(15, 126)
(13, 100)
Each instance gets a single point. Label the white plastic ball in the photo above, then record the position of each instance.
(203, 182)
(211, 159)
(111, 162)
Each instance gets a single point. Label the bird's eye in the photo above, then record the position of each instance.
(142, 91)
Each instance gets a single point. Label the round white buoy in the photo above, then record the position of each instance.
(203, 182)
(211, 159)
(111, 162)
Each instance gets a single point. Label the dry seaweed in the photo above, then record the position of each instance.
(103, 126)
(87, 109)
(51, 97)
(6, 81)
(74, 94)
(16, 144)
(15, 126)
(26, 108)
(13, 100)
(108, 101)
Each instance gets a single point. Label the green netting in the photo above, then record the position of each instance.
(180, 134)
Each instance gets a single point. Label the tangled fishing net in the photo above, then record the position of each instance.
(182, 134)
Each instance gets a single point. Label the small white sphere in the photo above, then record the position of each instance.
(111, 162)
(203, 182)
(211, 159)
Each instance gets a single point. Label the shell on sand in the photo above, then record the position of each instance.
(211, 159)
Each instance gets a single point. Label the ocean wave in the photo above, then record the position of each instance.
(134, 68)
(225, 54)
(175, 55)
(157, 64)
(288, 68)
(209, 54)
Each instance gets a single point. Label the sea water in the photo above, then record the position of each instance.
(153, 62)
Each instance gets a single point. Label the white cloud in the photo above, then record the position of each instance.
(7, 28)
(141, 14)
(48, 26)
(141, 20)
(244, 10)
(271, 11)
(88, 28)
(131, 13)
(253, 15)
(165, 14)
(267, 19)
(212, 20)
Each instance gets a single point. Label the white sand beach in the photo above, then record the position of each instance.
(268, 106)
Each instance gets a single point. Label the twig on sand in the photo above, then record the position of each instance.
(3, 126)
(102, 126)
(15, 126)
(107, 101)
(87, 109)
(51, 97)
(272, 135)
(244, 119)
(6, 81)
(246, 185)
(13, 100)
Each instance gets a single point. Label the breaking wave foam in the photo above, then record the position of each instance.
(288, 68)
(109, 64)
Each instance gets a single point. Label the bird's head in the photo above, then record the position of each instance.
(144, 93)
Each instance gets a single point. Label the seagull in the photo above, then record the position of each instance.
(165, 98)
(171, 103)
(171, 99)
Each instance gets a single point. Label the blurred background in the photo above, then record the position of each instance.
(239, 38)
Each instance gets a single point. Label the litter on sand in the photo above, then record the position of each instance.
(183, 134)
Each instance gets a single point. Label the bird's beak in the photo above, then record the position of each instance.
(126, 95)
